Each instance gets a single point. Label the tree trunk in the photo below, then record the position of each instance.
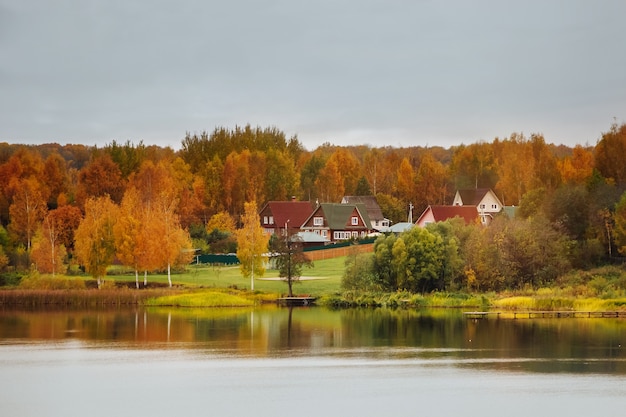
(169, 275)
(290, 284)
(145, 278)
(136, 278)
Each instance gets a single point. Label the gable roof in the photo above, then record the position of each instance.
(293, 212)
(443, 213)
(371, 205)
(473, 197)
(311, 237)
(337, 215)
(401, 227)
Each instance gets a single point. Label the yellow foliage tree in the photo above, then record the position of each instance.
(221, 221)
(128, 231)
(252, 244)
(95, 240)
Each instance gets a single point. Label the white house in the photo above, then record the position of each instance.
(484, 199)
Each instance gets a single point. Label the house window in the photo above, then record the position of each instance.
(271, 219)
(482, 206)
(318, 221)
(341, 235)
(264, 219)
(355, 235)
(324, 233)
(494, 206)
(355, 221)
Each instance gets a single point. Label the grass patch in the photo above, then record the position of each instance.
(201, 299)
(326, 276)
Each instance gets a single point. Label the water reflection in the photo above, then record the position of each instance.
(538, 345)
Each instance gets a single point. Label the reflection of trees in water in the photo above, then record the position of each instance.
(281, 330)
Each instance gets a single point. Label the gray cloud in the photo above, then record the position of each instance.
(377, 72)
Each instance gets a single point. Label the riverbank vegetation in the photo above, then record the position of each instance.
(143, 210)
(206, 286)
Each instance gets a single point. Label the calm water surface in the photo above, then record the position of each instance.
(307, 361)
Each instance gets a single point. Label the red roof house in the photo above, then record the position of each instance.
(434, 214)
(277, 217)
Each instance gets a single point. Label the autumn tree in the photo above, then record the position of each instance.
(394, 209)
(252, 243)
(349, 169)
(431, 181)
(546, 173)
(515, 167)
(619, 231)
(27, 210)
(170, 243)
(221, 221)
(281, 178)
(211, 176)
(516, 253)
(577, 168)
(373, 168)
(129, 232)
(24, 165)
(55, 177)
(99, 178)
(609, 154)
(243, 179)
(220, 231)
(473, 166)
(308, 177)
(66, 220)
(405, 182)
(128, 156)
(48, 253)
(190, 191)
(290, 259)
(164, 243)
(329, 182)
(95, 238)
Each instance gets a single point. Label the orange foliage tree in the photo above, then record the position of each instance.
(99, 178)
(48, 252)
(329, 182)
(27, 210)
(577, 168)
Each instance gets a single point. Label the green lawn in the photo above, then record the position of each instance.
(325, 278)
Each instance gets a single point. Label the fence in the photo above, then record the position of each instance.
(314, 253)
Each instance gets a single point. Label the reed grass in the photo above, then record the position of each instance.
(75, 297)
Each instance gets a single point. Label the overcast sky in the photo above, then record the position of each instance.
(386, 72)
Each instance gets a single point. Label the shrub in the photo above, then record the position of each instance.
(10, 279)
(34, 281)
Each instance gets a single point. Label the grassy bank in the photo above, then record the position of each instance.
(209, 286)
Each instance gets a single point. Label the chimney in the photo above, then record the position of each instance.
(293, 198)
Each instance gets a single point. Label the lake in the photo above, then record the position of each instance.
(307, 361)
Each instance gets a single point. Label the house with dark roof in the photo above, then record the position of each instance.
(338, 222)
(434, 214)
(281, 217)
(377, 219)
(484, 199)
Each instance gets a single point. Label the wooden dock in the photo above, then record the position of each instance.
(297, 301)
(543, 314)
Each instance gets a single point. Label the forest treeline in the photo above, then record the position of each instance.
(48, 189)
